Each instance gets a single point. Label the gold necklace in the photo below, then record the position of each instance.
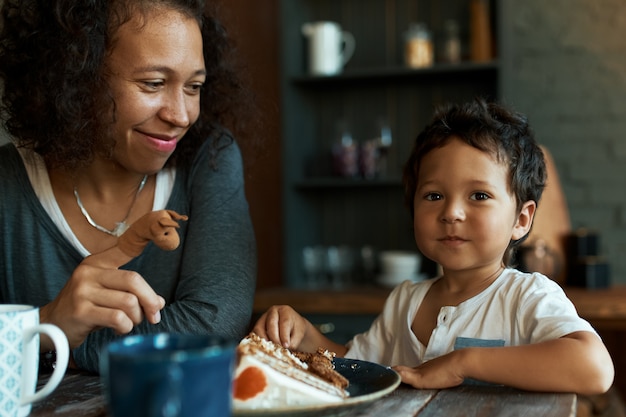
(120, 227)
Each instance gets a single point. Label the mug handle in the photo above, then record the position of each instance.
(349, 44)
(62, 357)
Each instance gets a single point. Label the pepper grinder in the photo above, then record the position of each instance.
(481, 48)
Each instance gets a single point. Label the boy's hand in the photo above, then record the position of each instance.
(283, 325)
(438, 373)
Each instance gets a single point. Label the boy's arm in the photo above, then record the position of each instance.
(283, 325)
(578, 362)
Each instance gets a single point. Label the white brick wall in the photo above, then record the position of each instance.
(565, 67)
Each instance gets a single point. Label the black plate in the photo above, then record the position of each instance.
(368, 382)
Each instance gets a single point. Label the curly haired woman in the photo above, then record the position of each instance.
(115, 109)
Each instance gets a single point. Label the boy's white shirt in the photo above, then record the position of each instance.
(517, 309)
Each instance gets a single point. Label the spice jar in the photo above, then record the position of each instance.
(451, 44)
(418, 46)
(345, 155)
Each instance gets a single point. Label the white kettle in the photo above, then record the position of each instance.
(330, 47)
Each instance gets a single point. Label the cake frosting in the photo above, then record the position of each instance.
(270, 376)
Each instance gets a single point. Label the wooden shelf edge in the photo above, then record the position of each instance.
(385, 73)
(357, 301)
(605, 309)
(336, 182)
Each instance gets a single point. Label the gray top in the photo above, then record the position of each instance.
(208, 282)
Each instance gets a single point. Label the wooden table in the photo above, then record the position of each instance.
(80, 395)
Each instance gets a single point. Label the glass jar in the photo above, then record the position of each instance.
(418, 51)
(452, 44)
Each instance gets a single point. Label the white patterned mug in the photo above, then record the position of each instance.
(19, 358)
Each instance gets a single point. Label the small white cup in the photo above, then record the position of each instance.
(19, 358)
(330, 47)
(398, 266)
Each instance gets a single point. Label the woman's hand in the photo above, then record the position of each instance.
(95, 297)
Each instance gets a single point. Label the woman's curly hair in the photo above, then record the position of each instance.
(56, 98)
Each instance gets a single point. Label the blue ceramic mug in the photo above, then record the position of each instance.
(168, 375)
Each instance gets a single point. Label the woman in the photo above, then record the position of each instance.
(116, 109)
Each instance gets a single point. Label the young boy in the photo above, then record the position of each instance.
(472, 183)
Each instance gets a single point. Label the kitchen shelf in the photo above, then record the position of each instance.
(321, 209)
(399, 74)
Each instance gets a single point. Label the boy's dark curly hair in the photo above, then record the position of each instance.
(493, 129)
(56, 99)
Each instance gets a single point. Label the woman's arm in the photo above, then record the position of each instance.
(217, 277)
(208, 282)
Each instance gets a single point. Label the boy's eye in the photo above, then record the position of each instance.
(480, 196)
(433, 197)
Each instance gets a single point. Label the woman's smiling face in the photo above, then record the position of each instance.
(155, 71)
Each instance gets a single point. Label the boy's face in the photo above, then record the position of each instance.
(464, 213)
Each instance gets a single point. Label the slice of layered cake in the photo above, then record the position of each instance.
(270, 376)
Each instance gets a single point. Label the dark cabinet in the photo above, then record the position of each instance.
(321, 208)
